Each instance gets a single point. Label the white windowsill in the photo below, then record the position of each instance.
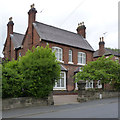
(70, 63)
(59, 88)
(61, 61)
(80, 64)
(76, 88)
(88, 88)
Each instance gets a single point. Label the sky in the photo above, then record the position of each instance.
(99, 17)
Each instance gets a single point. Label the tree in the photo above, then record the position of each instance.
(103, 69)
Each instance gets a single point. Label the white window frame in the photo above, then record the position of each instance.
(58, 53)
(19, 54)
(107, 56)
(70, 57)
(89, 84)
(116, 58)
(61, 88)
(81, 58)
(99, 85)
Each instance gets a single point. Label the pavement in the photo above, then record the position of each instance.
(65, 99)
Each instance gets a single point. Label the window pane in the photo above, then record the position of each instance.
(60, 56)
(58, 83)
(62, 82)
(87, 84)
(70, 55)
(56, 54)
(81, 61)
(62, 75)
(60, 50)
(20, 54)
(90, 84)
(84, 60)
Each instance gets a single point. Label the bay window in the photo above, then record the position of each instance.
(61, 83)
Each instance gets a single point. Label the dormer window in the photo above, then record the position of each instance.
(58, 53)
(81, 58)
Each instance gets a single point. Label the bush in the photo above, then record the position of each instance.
(40, 70)
(34, 75)
(11, 80)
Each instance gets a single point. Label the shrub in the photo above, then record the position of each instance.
(40, 70)
(11, 80)
(33, 75)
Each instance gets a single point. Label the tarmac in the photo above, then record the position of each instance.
(63, 103)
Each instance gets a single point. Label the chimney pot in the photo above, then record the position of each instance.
(81, 29)
(32, 6)
(102, 39)
(82, 23)
(10, 19)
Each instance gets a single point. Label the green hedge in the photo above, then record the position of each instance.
(33, 75)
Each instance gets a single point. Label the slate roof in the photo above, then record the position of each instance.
(17, 39)
(57, 35)
(107, 52)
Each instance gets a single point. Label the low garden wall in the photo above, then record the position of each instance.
(85, 95)
(22, 102)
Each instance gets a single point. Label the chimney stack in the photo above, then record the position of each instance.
(10, 27)
(32, 15)
(81, 29)
(101, 46)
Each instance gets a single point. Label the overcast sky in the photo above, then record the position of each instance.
(99, 16)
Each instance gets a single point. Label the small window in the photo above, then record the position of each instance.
(99, 85)
(58, 53)
(89, 84)
(81, 58)
(70, 55)
(116, 58)
(19, 54)
(47, 43)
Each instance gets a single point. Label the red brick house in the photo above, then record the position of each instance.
(72, 49)
(105, 51)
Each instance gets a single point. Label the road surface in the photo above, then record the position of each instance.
(105, 108)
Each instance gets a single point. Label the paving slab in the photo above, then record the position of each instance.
(65, 99)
